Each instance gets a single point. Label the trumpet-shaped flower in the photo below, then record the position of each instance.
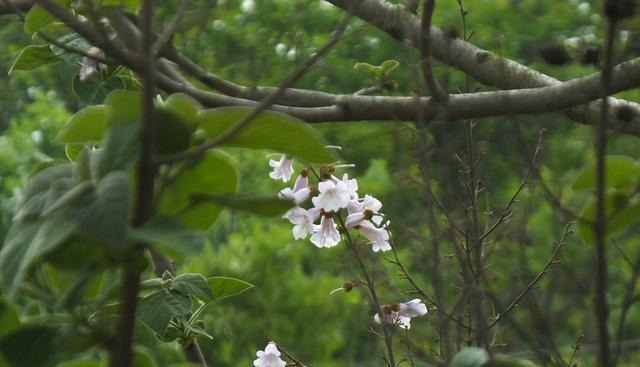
(303, 221)
(393, 317)
(326, 234)
(300, 191)
(413, 308)
(359, 211)
(270, 357)
(282, 169)
(379, 237)
(334, 195)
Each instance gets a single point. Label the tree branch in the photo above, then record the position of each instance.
(486, 67)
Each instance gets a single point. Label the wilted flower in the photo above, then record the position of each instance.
(326, 234)
(302, 220)
(270, 357)
(282, 169)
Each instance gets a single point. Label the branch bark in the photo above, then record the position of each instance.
(484, 66)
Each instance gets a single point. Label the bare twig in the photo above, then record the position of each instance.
(536, 279)
(169, 31)
(427, 71)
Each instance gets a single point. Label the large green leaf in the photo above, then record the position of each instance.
(95, 88)
(265, 205)
(159, 308)
(184, 106)
(86, 126)
(37, 17)
(620, 212)
(123, 107)
(27, 243)
(120, 150)
(130, 5)
(172, 133)
(269, 130)
(223, 287)
(470, 357)
(212, 174)
(72, 40)
(620, 171)
(33, 57)
(191, 284)
(169, 233)
(32, 346)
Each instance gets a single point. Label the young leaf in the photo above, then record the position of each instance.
(223, 287)
(212, 174)
(269, 130)
(470, 357)
(86, 126)
(389, 65)
(169, 233)
(33, 57)
(123, 107)
(191, 284)
(159, 308)
(265, 205)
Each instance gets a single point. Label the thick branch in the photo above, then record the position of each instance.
(473, 105)
(486, 67)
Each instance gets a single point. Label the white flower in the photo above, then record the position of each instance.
(89, 65)
(270, 357)
(379, 237)
(326, 234)
(300, 192)
(361, 211)
(352, 186)
(393, 317)
(413, 308)
(302, 220)
(401, 313)
(283, 169)
(333, 195)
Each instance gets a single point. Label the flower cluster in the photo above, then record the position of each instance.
(401, 313)
(332, 197)
(269, 357)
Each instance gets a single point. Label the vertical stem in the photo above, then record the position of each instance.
(602, 310)
(122, 352)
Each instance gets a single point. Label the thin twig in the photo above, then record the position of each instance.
(575, 347)
(427, 71)
(169, 31)
(535, 280)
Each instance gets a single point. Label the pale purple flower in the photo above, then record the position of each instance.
(300, 191)
(302, 220)
(270, 357)
(379, 237)
(393, 317)
(359, 211)
(326, 234)
(413, 308)
(282, 169)
(334, 195)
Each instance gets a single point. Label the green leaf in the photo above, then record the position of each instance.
(123, 107)
(141, 358)
(212, 174)
(80, 363)
(42, 181)
(620, 171)
(72, 150)
(32, 346)
(72, 40)
(86, 126)
(26, 244)
(8, 318)
(172, 133)
(365, 67)
(169, 233)
(37, 18)
(185, 107)
(159, 308)
(130, 5)
(120, 150)
(269, 130)
(620, 213)
(389, 65)
(33, 57)
(223, 287)
(470, 357)
(265, 205)
(95, 88)
(192, 284)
